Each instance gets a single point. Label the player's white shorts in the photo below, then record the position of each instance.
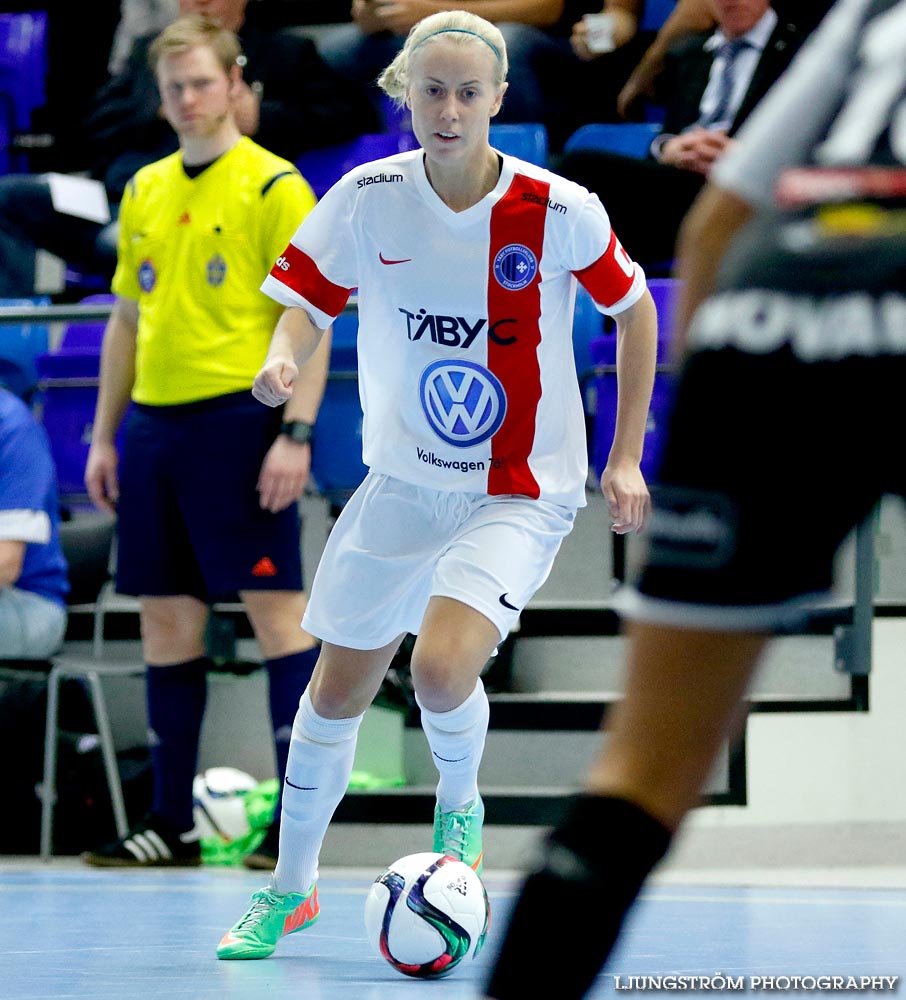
(396, 545)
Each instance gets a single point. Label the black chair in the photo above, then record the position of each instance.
(88, 542)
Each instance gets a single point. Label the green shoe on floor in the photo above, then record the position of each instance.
(270, 916)
(459, 834)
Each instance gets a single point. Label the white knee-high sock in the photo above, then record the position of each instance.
(457, 740)
(321, 754)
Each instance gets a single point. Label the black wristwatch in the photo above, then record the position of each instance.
(298, 431)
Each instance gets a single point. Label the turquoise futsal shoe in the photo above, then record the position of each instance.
(270, 916)
(459, 834)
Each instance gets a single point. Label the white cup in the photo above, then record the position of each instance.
(599, 33)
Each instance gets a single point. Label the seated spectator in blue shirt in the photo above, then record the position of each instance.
(33, 572)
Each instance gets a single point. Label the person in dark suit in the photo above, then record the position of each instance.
(710, 84)
(290, 101)
(687, 18)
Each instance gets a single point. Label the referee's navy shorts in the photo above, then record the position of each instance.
(189, 518)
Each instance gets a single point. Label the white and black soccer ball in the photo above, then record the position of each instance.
(427, 913)
(218, 796)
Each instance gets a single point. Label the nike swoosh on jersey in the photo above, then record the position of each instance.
(506, 603)
(383, 260)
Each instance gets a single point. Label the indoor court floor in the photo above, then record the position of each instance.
(67, 931)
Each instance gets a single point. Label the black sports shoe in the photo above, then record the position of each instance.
(264, 857)
(153, 843)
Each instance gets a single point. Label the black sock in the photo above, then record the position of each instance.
(594, 865)
(176, 701)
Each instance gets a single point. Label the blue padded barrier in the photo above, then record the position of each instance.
(603, 384)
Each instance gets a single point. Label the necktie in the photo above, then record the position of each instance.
(729, 51)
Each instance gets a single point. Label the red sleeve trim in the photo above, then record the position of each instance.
(301, 274)
(610, 278)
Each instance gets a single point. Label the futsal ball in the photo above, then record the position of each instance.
(427, 913)
(218, 796)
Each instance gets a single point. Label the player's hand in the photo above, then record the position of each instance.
(623, 28)
(101, 479)
(681, 152)
(696, 150)
(578, 41)
(273, 385)
(710, 145)
(284, 474)
(718, 145)
(628, 500)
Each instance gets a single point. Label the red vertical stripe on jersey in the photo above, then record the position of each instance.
(610, 277)
(298, 271)
(515, 220)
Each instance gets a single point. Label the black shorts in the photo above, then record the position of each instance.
(768, 463)
(189, 519)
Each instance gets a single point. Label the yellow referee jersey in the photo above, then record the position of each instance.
(193, 253)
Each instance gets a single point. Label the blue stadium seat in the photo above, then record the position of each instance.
(77, 280)
(20, 345)
(68, 383)
(8, 158)
(626, 138)
(322, 168)
(86, 337)
(68, 394)
(23, 64)
(664, 291)
(655, 13)
(526, 140)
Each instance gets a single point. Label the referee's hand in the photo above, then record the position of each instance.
(273, 385)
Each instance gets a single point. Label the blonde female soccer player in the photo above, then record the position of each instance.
(466, 263)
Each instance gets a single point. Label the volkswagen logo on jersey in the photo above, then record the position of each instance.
(215, 270)
(464, 403)
(147, 276)
(515, 266)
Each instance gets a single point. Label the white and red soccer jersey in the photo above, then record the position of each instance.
(466, 368)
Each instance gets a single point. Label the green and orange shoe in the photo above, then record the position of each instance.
(270, 916)
(459, 834)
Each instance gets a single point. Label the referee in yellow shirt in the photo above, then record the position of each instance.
(206, 492)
